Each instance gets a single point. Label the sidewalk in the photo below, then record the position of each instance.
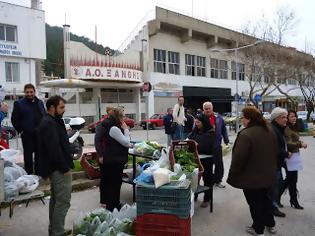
(230, 217)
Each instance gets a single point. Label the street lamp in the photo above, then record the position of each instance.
(237, 73)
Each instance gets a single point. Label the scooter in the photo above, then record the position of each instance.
(75, 140)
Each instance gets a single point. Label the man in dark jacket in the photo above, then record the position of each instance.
(55, 162)
(26, 115)
(189, 123)
(169, 126)
(218, 124)
(279, 121)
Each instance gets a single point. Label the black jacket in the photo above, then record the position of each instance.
(189, 124)
(26, 115)
(205, 140)
(54, 147)
(282, 144)
(107, 147)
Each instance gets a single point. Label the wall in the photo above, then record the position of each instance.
(30, 29)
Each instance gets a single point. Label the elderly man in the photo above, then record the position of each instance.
(220, 131)
(279, 122)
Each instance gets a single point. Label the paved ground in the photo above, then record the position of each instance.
(229, 218)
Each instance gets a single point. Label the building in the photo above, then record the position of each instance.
(175, 53)
(180, 60)
(22, 46)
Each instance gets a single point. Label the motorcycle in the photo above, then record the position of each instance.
(75, 140)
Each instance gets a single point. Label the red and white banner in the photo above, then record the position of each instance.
(106, 73)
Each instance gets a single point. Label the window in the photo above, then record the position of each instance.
(219, 69)
(292, 81)
(8, 33)
(173, 63)
(241, 71)
(12, 72)
(190, 64)
(159, 61)
(201, 66)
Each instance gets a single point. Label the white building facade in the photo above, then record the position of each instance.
(22, 45)
(178, 60)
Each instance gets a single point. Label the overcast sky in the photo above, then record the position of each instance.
(115, 19)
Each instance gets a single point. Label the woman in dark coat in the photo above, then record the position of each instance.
(204, 135)
(253, 169)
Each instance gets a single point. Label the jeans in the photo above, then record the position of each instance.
(59, 202)
(218, 165)
(179, 132)
(260, 206)
(277, 189)
(169, 139)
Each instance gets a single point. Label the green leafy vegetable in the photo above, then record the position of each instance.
(186, 160)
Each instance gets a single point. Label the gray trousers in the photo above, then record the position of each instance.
(59, 202)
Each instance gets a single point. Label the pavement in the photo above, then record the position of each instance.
(230, 217)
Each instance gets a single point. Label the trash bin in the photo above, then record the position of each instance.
(300, 125)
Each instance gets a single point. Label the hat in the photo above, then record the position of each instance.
(276, 112)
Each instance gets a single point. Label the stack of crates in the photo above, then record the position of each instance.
(165, 210)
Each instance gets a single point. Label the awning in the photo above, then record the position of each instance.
(77, 83)
(214, 94)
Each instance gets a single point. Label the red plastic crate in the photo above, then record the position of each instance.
(92, 172)
(166, 225)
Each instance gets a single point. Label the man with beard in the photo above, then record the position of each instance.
(55, 162)
(26, 115)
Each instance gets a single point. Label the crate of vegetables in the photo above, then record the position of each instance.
(185, 153)
(89, 162)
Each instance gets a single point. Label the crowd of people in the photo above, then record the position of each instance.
(262, 150)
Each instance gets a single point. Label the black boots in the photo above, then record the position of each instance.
(295, 204)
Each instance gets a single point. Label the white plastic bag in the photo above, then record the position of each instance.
(9, 154)
(13, 172)
(161, 176)
(27, 183)
(10, 191)
(164, 161)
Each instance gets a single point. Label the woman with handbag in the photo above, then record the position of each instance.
(294, 163)
(254, 167)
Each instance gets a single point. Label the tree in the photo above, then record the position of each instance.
(268, 61)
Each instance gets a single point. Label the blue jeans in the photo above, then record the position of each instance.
(169, 139)
(277, 188)
(179, 132)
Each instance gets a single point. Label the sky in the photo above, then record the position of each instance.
(116, 19)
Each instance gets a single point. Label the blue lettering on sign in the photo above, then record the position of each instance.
(7, 49)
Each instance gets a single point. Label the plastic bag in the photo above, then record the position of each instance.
(164, 161)
(10, 191)
(13, 173)
(126, 226)
(101, 229)
(127, 212)
(110, 232)
(146, 174)
(93, 226)
(9, 154)
(161, 177)
(193, 177)
(143, 148)
(27, 183)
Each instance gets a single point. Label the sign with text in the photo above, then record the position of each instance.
(10, 50)
(106, 73)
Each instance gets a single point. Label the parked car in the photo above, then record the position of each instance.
(266, 115)
(128, 121)
(303, 115)
(155, 121)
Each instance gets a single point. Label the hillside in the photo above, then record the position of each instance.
(54, 46)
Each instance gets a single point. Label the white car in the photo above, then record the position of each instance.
(302, 115)
(266, 115)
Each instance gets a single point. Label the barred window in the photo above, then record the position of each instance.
(159, 61)
(218, 69)
(8, 33)
(241, 71)
(173, 63)
(201, 66)
(190, 64)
